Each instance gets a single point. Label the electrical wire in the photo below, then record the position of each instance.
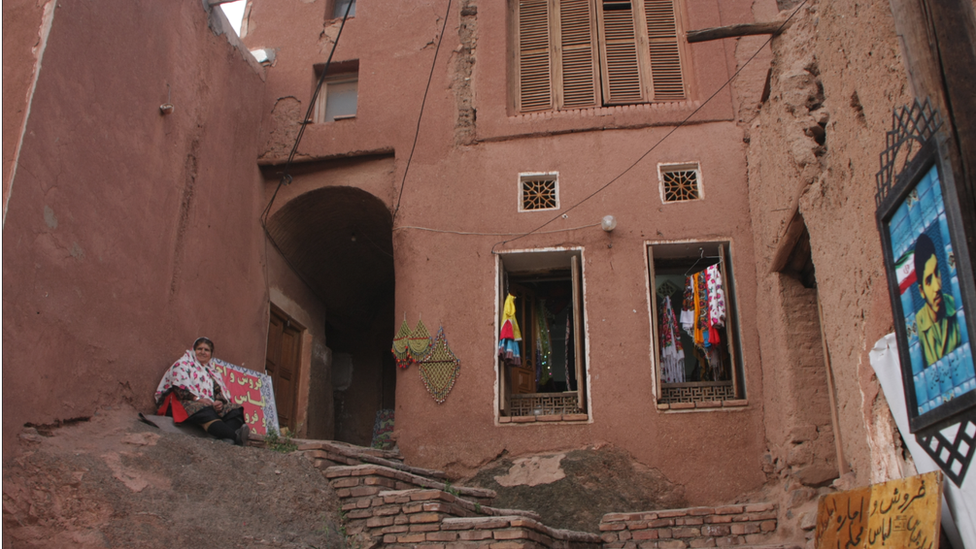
(286, 178)
(490, 234)
(420, 117)
(667, 135)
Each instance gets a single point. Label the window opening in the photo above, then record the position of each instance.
(696, 340)
(575, 54)
(538, 192)
(339, 95)
(339, 8)
(680, 182)
(547, 374)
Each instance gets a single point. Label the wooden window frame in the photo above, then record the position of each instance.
(684, 167)
(555, 42)
(339, 73)
(730, 332)
(568, 260)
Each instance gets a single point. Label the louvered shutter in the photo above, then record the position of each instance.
(621, 68)
(667, 80)
(577, 27)
(535, 80)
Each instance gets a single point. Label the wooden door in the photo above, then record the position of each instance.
(282, 363)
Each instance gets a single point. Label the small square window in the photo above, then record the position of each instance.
(338, 97)
(538, 191)
(680, 182)
(339, 8)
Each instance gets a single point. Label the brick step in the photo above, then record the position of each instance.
(358, 481)
(499, 532)
(728, 525)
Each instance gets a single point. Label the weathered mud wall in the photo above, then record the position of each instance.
(130, 232)
(837, 73)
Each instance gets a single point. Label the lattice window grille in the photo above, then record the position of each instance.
(694, 392)
(953, 453)
(680, 183)
(543, 404)
(538, 192)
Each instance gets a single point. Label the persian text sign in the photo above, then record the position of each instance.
(902, 513)
(253, 391)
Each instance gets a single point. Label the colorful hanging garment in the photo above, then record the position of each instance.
(419, 342)
(672, 354)
(543, 365)
(510, 335)
(401, 349)
(440, 369)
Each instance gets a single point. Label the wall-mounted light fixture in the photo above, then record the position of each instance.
(608, 223)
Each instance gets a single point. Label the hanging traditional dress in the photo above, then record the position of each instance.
(672, 354)
(716, 319)
(510, 335)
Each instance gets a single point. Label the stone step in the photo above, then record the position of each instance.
(738, 525)
(357, 481)
(323, 458)
(345, 448)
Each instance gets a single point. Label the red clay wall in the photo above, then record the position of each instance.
(843, 60)
(464, 178)
(130, 233)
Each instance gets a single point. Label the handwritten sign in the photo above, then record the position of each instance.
(902, 513)
(253, 391)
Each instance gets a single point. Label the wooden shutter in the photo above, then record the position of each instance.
(503, 388)
(662, 35)
(655, 337)
(282, 363)
(534, 52)
(578, 331)
(729, 319)
(577, 40)
(621, 68)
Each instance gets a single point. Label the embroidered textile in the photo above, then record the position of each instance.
(716, 295)
(672, 354)
(440, 369)
(188, 374)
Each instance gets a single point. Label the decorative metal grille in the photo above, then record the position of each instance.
(697, 392)
(680, 184)
(952, 456)
(539, 193)
(916, 123)
(543, 404)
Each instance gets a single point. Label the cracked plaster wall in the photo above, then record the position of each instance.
(837, 73)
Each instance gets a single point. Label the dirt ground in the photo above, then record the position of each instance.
(579, 487)
(112, 481)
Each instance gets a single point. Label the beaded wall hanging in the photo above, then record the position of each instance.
(401, 347)
(419, 342)
(440, 369)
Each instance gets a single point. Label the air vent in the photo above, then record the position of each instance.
(680, 183)
(538, 192)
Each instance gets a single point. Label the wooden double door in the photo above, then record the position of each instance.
(283, 363)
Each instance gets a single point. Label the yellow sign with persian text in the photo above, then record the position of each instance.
(904, 513)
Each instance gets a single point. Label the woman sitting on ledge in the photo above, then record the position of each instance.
(193, 391)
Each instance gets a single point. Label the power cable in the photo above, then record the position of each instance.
(286, 178)
(667, 135)
(420, 117)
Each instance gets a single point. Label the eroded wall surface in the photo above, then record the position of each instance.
(814, 149)
(129, 232)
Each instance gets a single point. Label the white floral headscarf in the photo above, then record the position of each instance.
(187, 373)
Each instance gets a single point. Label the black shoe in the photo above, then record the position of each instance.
(242, 435)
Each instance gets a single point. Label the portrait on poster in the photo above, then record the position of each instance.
(928, 290)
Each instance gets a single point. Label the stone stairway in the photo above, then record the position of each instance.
(387, 503)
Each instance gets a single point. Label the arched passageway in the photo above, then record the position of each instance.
(339, 241)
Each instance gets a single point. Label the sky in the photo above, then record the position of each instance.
(235, 12)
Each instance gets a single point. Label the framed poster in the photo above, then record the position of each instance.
(931, 288)
(253, 391)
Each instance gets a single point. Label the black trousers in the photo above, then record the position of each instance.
(222, 427)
